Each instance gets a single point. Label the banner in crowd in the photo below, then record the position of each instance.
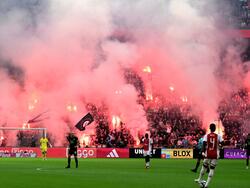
(234, 154)
(112, 153)
(177, 153)
(138, 153)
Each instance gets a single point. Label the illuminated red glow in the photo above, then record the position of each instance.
(71, 58)
(147, 69)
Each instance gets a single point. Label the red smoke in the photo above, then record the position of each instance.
(70, 59)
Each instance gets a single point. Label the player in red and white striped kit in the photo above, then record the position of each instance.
(147, 149)
(211, 149)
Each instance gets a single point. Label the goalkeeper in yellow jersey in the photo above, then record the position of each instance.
(44, 142)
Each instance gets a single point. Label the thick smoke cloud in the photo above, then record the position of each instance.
(14, 72)
(75, 52)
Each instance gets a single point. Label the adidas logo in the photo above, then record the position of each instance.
(113, 154)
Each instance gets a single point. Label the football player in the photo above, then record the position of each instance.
(210, 151)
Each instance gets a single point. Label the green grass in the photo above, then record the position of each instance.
(116, 173)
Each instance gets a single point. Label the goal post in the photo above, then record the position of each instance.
(11, 141)
(26, 129)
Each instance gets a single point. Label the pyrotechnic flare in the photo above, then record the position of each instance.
(147, 69)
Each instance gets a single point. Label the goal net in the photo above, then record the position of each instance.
(21, 136)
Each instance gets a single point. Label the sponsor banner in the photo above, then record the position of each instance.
(18, 155)
(234, 154)
(112, 153)
(25, 155)
(177, 153)
(84, 152)
(138, 153)
(55, 153)
(51, 153)
(7, 155)
(63, 152)
(19, 152)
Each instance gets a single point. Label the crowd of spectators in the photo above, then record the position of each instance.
(235, 115)
(174, 125)
(235, 13)
(120, 138)
(106, 136)
(242, 13)
(171, 125)
(27, 138)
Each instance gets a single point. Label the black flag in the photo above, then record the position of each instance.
(86, 120)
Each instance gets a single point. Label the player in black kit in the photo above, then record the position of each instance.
(247, 147)
(73, 143)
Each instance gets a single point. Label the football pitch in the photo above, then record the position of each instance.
(116, 173)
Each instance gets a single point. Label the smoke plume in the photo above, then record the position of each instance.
(59, 54)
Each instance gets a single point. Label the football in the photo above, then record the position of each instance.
(202, 183)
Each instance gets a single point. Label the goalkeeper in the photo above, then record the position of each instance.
(44, 142)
